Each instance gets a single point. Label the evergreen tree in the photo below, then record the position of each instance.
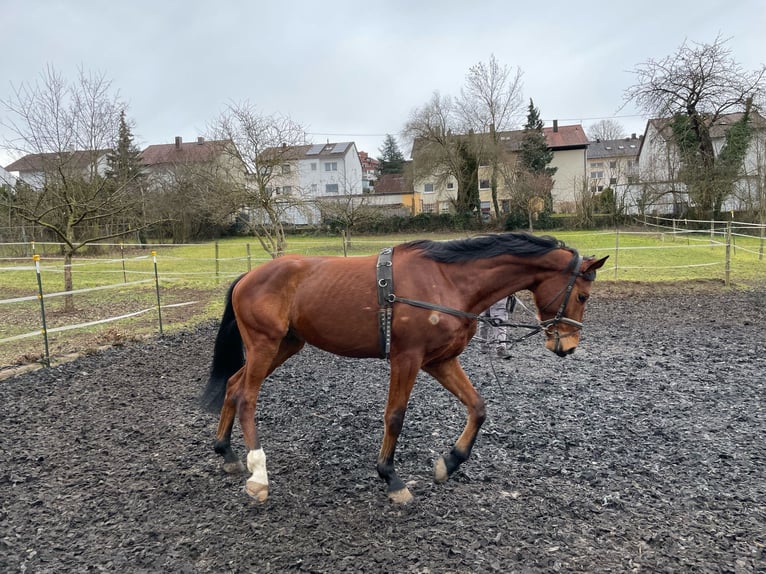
(124, 165)
(391, 158)
(535, 154)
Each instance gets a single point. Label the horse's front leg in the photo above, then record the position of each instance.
(231, 462)
(451, 375)
(403, 373)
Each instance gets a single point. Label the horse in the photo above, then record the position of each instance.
(416, 304)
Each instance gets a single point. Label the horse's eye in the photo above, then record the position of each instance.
(582, 298)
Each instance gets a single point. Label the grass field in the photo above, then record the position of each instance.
(120, 280)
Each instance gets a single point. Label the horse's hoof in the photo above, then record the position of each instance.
(257, 490)
(403, 496)
(440, 470)
(234, 467)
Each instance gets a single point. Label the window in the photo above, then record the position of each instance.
(483, 184)
(428, 188)
(287, 190)
(313, 166)
(313, 189)
(596, 174)
(286, 168)
(429, 208)
(596, 164)
(331, 166)
(612, 181)
(331, 188)
(450, 185)
(612, 165)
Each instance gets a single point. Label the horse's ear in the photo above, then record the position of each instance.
(592, 264)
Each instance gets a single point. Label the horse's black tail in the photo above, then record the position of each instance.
(228, 357)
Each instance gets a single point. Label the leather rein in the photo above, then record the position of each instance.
(387, 298)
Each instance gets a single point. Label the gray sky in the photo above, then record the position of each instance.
(355, 70)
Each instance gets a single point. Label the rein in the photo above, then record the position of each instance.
(387, 298)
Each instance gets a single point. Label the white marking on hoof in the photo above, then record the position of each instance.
(433, 318)
(256, 490)
(440, 470)
(234, 467)
(403, 496)
(256, 463)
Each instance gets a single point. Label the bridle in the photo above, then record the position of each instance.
(386, 299)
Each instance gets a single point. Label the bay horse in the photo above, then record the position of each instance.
(418, 306)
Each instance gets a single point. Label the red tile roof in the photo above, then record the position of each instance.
(392, 183)
(199, 151)
(565, 137)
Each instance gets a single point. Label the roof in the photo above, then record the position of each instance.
(310, 151)
(565, 137)
(392, 183)
(557, 138)
(179, 152)
(39, 162)
(717, 130)
(623, 147)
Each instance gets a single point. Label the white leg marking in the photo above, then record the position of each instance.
(256, 463)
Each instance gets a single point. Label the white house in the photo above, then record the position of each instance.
(316, 172)
(659, 162)
(35, 168)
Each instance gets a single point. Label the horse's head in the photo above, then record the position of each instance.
(561, 298)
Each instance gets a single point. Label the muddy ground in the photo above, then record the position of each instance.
(643, 452)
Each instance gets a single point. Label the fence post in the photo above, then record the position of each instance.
(216, 261)
(616, 250)
(122, 252)
(727, 266)
(249, 260)
(157, 287)
(47, 358)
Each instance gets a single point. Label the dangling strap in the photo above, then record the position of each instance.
(385, 283)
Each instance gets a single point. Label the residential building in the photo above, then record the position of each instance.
(568, 143)
(613, 163)
(35, 169)
(660, 188)
(314, 172)
(394, 193)
(164, 163)
(370, 171)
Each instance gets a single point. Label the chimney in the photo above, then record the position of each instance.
(632, 136)
(178, 142)
(200, 140)
(555, 126)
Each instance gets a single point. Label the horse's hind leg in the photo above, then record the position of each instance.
(231, 462)
(451, 375)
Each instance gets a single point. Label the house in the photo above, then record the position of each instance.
(6, 178)
(568, 143)
(370, 171)
(163, 163)
(613, 163)
(37, 168)
(660, 188)
(394, 193)
(314, 172)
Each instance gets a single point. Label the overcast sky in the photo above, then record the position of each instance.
(355, 70)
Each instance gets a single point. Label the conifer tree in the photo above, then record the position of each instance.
(124, 162)
(391, 158)
(535, 154)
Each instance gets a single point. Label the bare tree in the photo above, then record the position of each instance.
(490, 102)
(693, 88)
(67, 128)
(264, 143)
(605, 130)
(347, 211)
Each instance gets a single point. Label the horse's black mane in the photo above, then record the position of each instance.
(484, 246)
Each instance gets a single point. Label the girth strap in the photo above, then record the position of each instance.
(385, 285)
